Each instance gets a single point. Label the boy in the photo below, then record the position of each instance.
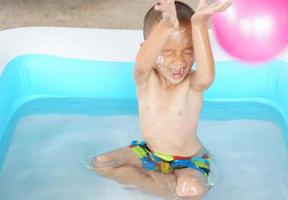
(171, 162)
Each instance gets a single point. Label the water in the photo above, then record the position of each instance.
(47, 157)
(49, 151)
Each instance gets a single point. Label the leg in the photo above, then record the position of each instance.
(126, 168)
(190, 184)
(183, 184)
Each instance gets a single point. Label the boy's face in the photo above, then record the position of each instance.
(177, 55)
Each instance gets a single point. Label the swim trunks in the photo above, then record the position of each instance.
(167, 163)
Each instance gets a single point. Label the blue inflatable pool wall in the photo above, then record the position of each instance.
(30, 78)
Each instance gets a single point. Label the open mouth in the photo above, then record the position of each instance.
(177, 73)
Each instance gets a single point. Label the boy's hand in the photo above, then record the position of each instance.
(204, 10)
(169, 14)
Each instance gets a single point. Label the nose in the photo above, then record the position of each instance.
(179, 60)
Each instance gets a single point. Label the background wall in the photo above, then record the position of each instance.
(126, 14)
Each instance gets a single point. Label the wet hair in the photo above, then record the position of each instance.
(153, 17)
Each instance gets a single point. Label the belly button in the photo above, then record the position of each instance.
(147, 108)
(179, 113)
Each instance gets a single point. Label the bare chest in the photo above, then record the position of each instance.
(179, 105)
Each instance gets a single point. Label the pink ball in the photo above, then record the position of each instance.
(253, 30)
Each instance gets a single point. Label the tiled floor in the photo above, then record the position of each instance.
(124, 14)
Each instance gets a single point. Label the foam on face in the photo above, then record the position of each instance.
(176, 33)
(160, 60)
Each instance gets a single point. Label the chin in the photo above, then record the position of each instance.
(175, 81)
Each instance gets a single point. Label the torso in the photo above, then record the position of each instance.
(169, 117)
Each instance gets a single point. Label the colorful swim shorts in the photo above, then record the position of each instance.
(167, 163)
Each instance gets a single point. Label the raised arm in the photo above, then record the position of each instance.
(151, 48)
(204, 75)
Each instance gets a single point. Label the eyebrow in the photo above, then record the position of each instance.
(168, 49)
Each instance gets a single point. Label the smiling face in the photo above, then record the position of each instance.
(177, 56)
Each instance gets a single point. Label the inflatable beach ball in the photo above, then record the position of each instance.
(253, 30)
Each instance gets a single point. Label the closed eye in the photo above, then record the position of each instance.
(189, 51)
(167, 52)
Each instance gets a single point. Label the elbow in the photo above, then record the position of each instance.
(139, 68)
(206, 79)
(204, 83)
(142, 66)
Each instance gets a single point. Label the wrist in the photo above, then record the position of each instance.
(167, 23)
(195, 22)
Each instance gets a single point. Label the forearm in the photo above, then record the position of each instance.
(152, 47)
(202, 51)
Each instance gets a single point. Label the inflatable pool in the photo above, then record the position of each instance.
(89, 72)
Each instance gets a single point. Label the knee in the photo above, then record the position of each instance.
(101, 165)
(191, 188)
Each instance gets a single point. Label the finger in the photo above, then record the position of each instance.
(202, 4)
(227, 5)
(207, 13)
(159, 7)
(170, 1)
(160, 2)
(163, 2)
(212, 5)
(220, 6)
(163, 8)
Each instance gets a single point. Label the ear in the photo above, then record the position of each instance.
(142, 44)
